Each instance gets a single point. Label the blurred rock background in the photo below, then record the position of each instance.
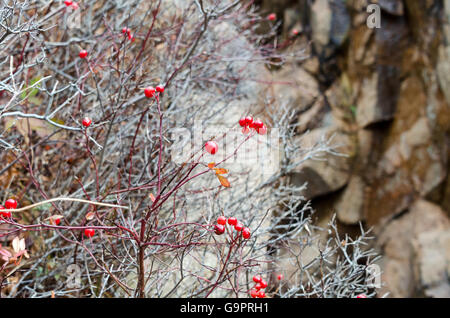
(384, 94)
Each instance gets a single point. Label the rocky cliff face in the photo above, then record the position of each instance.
(384, 94)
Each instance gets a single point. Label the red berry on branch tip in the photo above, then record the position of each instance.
(246, 233)
(263, 283)
(248, 120)
(254, 293)
(149, 92)
(238, 227)
(4, 214)
(57, 221)
(258, 124)
(261, 294)
(272, 17)
(219, 229)
(361, 296)
(86, 122)
(83, 54)
(10, 204)
(89, 232)
(211, 147)
(257, 279)
(160, 89)
(262, 130)
(222, 220)
(280, 277)
(242, 122)
(68, 2)
(232, 221)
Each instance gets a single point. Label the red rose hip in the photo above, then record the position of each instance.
(211, 147)
(4, 214)
(86, 122)
(160, 89)
(246, 233)
(83, 54)
(238, 227)
(149, 92)
(257, 279)
(222, 220)
(10, 204)
(89, 232)
(232, 221)
(219, 229)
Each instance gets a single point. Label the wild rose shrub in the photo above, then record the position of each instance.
(88, 150)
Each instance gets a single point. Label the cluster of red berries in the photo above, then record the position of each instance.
(151, 91)
(127, 31)
(70, 3)
(10, 204)
(260, 284)
(222, 221)
(248, 123)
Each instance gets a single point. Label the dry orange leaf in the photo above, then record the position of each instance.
(90, 216)
(221, 171)
(224, 181)
(211, 165)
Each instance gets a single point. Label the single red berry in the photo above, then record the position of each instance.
(261, 294)
(10, 204)
(222, 220)
(258, 286)
(242, 122)
(219, 229)
(211, 147)
(263, 283)
(254, 293)
(238, 227)
(280, 277)
(57, 221)
(361, 296)
(130, 36)
(295, 32)
(68, 2)
(89, 232)
(160, 88)
(232, 221)
(83, 53)
(149, 92)
(248, 120)
(262, 130)
(4, 214)
(257, 279)
(125, 30)
(272, 17)
(257, 124)
(86, 122)
(246, 233)
(245, 130)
